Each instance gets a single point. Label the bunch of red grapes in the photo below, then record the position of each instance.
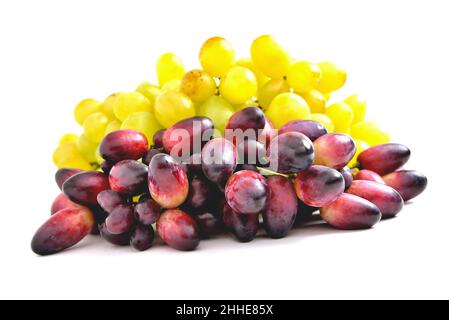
(195, 195)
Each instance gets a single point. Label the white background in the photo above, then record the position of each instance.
(54, 53)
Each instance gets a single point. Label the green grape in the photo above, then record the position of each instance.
(76, 163)
(198, 85)
(270, 90)
(286, 107)
(316, 101)
(98, 158)
(108, 106)
(113, 126)
(149, 90)
(65, 152)
(323, 119)
(303, 76)
(169, 67)
(270, 57)
(87, 148)
(239, 85)
(358, 106)
(248, 63)
(360, 145)
(68, 138)
(95, 126)
(370, 132)
(218, 110)
(172, 85)
(332, 77)
(172, 107)
(127, 103)
(341, 115)
(85, 108)
(144, 122)
(217, 56)
(246, 104)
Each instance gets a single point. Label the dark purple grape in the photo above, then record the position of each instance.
(368, 175)
(208, 224)
(117, 239)
(409, 183)
(250, 118)
(311, 129)
(129, 177)
(110, 199)
(106, 167)
(121, 219)
(304, 213)
(123, 145)
(252, 152)
(347, 175)
(147, 212)
(178, 230)
(384, 158)
(250, 167)
(158, 139)
(142, 237)
(83, 188)
(200, 193)
(219, 159)
(63, 174)
(193, 166)
(62, 202)
(334, 150)
(243, 226)
(149, 155)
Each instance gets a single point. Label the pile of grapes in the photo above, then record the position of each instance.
(232, 147)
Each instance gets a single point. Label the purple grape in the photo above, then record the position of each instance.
(219, 159)
(384, 158)
(334, 150)
(368, 175)
(208, 224)
(63, 174)
(409, 183)
(149, 155)
(62, 202)
(142, 237)
(120, 220)
(110, 199)
(251, 118)
(311, 129)
(158, 139)
(147, 212)
(252, 152)
(200, 193)
(178, 230)
(347, 175)
(243, 226)
(304, 213)
(129, 177)
(116, 239)
(83, 188)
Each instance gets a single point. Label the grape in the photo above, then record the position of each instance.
(370, 132)
(200, 193)
(177, 229)
(243, 226)
(68, 138)
(157, 139)
(84, 187)
(305, 213)
(121, 219)
(114, 125)
(110, 199)
(341, 115)
(323, 119)
(208, 224)
(62, 202)
(147, 211)
(85, 108)
(106, 167)
(193, 166)
(62, 230)
(350, 212)
(108, 106)
(149, 155)
(169, 67)
(270, 57)
(65, 152)
(129, 177)
(315, 100)
(217, 56)
(249, 118)
(290, 152)
(311, 129)
(332, 77)
(334, 150)
(63, 174)
(286, 107)
(239, 85)
(268, 133)
(167, 181)
(117, 239)
(387, 199)
(87, 148)
(127, 103)
(368, 175)
(95, 126)
(150, 91)
(270, 90)
(198, 85)
(246, 192)
(172, 85)
(144, 122)
(218, 110)
(244, 166)
(409, 183)
(347, 176)
(252, 152)
(359, 147)
(318, 186)
(260, 77)
(384, 158)
(123, 145)
(219, 159)
(172, 107)
(303, 76)
(142, 237)
(282, 207)
(358, 107)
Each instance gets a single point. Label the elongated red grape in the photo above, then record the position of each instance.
(110, 199)
(384, 158)
(142, 237)
(409, 183)
(249, 118)
(243, 226)
(83, 188)
(129, 177)
(116, 239)
(318, 186)
(147, 212)
(158, 139)
(334, 150)
(282, 207)
(351, 212)
(246, 192)
(347, 175)
(63, 174)
(252, 152)
(200, 193)
(268, 133)
(149, 155)
(312, 129)
(62, 202)
(63, 230)
(208, 224)
(179, 230)
(387, 199)
(368, 175)
(121, 219)
(167, 181)
(123, 145)
(219, 159)
(290, 152)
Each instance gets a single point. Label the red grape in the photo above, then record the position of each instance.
(243, 226)
(142, 237)
(347, 175)
(368, 175)
(83, 188)
(251, 118)
(117, 239)
(63, 174)
(268, 132)
(409, 183)
(149, 155)
(219, 159)
(110, 199)
(334, 150)
(147, 212)
(179, 230)
(200, 193)
(158, 139)
(62, 202)
(129, 177)
(252, 152)
(123, 145)
(312, 129)
(384, 158)
(208, 224)
(121, 219)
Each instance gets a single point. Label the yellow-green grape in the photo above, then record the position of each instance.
(286, 107)
(360, 145)
(169, 67)
(198, 85)
(98, 158)
(172, 107)
(246, 104)
(248, 63)
(76, 163)
(217, 56)
(323, 119)
(239, 85)
(65, 152)
(85, 108)
(108, 106)
(87, 148)
(316, 101)
(332, 77)
(172, 85)
(68, 138)
(303, 76)
(144, 122)
(95, 126)
(270, 90)
(149, 90)
(269, 57)
(127, 103)
(358, 106)
(370, 132)
(218, 110)
(113, 126)
(341, 115)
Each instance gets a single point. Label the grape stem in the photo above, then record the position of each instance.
(267, 172)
